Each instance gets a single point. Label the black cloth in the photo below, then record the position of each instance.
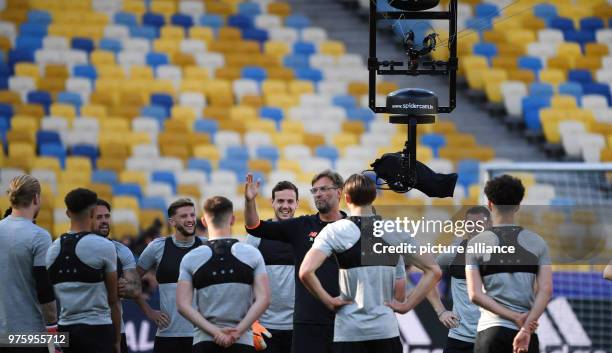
(168, 269)
(499, 339)
(222, 267)
(44, 288)
(389, 345)
(89, 338)
(280, 342)
(301, 232)
(67, 267)
(458, 346)
(212, 347)
(172, 344)
(310, 338)
(124, 347)
(24, 350)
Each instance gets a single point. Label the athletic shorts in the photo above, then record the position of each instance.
(388, 345)
(280, 342)
(499, 340)
(173, 344)
(212, 347)
(311, 338)
(124, 347)
(89, 338)
(458, 346)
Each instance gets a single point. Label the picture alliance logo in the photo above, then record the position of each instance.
(413, 106)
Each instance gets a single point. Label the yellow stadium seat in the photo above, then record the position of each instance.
(300, 87)
(183, 113)
(94, 111)
(592, 63)
(50, 163)
(493, 36)
(128, 202)
(357, 89)
(33, 110)
(111, 163)
(504, 62)
(229, 33)
(269, 87)
(533, 23)
(210, 152)
(260, 165)
(552, 76)
(60, 228)
(196, 73)
(178, 125)
(568, 50)
(202, 33)
(135, 7)
(276, 48)
(460, 140)
(475, 78)
(21, 136)
(280, 73)
(355, 127)
(114, 125)
(469, 63)
(24, 123)
(289, 165)
(161, 86)
(56, 71)
(10, 97)
(332, 47)
(139, 138)
(219, 8)
(520, 37)
(110, 71)
(164, 7)
(218, 87)
(77, 163)
(166, 45)
(345, 139)
(141, 72)
(192, 85)
(284, 139)
(507, 24)
(102, 57)
(27, 69)
(596, 49)
(148, 216)
(466, 42)
(133, 176)
(292, 127)
(563, 102)
(243, 113)
(70, 178)
(21, 151)
(279, 9)
(228, 73)
(606, 154)
(172, 32)
(261, 125)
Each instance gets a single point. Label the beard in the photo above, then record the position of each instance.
(323, 206)
(184, 231)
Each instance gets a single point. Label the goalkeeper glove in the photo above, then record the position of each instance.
(258, 336)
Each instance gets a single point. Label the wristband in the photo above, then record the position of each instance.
(442, 312)
(525, 330)
(52, 328)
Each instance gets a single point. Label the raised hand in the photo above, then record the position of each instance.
(251, 188)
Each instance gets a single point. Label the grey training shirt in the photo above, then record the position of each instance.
(128, 262)
(23, 246)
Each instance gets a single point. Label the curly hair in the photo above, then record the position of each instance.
(505, 191)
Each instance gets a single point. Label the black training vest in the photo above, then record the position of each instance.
(119, 266)
(457, 266)
(168, 269)
(354, 256)
(222, 267)
(276, 252)
(67, 267)
(521, 261)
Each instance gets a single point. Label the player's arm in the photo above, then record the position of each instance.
(184, 300)
(129, 284)
(542, 295)
(161, 319)
(399, 285)
(313, 260)
(109, 258)
(44, 287)
(607, 273)
(256, 227)
(446, 317)
(261, 290)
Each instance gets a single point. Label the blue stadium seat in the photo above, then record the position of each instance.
(488, 50)
(39, 16)
(479, 24)
(610, 22)
(562, 201)
(579, 75)
(208, 126)
(86, 71)
(241, 21)
(273, 113)
(487, 10)
(254, 73)
(156, 112)
(6, 110)
(531, 111)
(127, 189)
(54, 150)
(32, 29)
(314, 75)
(155, 59)
(591, 24)
(146, 32)
(213, 21)
(153, 203)
(468, 172)
(270, 153)
(162, 176)
(110, 44)
(561, 23)
(256, 34)
(126, 19)
(85, 150)
(200, 164)
(345, 101)
(153, 19)
(44, 137)
(571, 89)
(545, 11)
(361, 114)
(162, 99)
(532, 63)
(239, 167)
(29, 42)
(297, 21)
(580, 37)
(40, 97)
(249, 8)
(237, 153)
(296, 61)
(329, 152)
(182, 20)
(257, 175)
(434, 141)
(304, 48)
(84, 44)
(598, 88)
(541, 89)
(103, 176)
(20, 55)
(2, 58)
(5, 70)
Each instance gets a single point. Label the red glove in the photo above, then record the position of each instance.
(52, 329)
(258, 333)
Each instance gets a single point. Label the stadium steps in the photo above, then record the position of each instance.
(469, 117)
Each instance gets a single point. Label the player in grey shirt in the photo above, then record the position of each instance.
(280, 265)
(365, 321)
(463, 318)
(128, 279)
(27, 301)
(502, 283)
(83, 269)
(163, 256)
(230, 282)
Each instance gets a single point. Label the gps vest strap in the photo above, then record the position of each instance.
(222, 267)
(67, 266)
(168, 269)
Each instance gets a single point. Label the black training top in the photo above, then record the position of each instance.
(301, 232)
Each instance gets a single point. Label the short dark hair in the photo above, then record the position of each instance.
(104, 203)
(505, 191)
(178, 204)
(80, 200)
(479, 210)
(219, 208)
(333, 176)
(361, 189)
(285, 185)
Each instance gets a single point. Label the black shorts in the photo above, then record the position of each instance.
(89, 338)
(173, 344)
(499, 340)
(212, 347)
(458, 346)
(124, 348)
(280, 342)
(310, 338)
(388, 345)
